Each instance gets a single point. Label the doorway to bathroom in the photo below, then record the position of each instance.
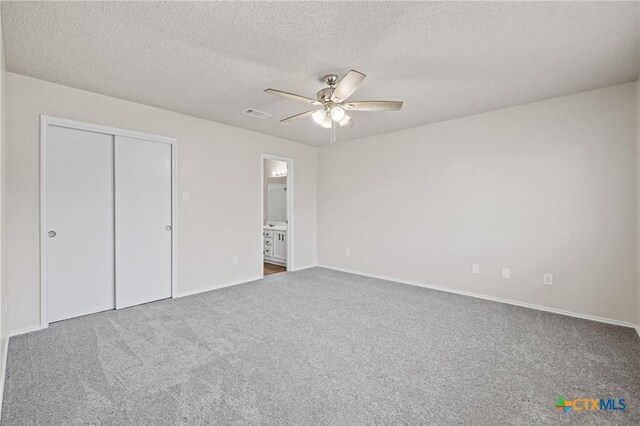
(276, 219)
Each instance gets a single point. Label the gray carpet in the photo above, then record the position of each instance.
(320, 347)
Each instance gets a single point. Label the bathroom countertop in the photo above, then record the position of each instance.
(274, 228)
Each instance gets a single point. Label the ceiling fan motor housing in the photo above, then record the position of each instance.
(331, 79)
(324, 95)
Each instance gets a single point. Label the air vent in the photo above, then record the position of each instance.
(255, 113)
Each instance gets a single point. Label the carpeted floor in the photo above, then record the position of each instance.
(320, 347)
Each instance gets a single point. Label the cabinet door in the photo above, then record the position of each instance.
(283, 246)
(277, 236)
(280, 245)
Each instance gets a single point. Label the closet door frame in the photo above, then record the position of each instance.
(45, 122)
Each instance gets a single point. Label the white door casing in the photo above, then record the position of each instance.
(79, 176)
(290, 203)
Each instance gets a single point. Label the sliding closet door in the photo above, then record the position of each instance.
(143, 221)
(79, 223)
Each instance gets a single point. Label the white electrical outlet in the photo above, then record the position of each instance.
(475, 268)
(185, 196)
(347, 252)
(548, 279)
(234, 260)
(506, 273)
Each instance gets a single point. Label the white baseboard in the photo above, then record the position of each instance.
(491, 298)
(4, 370)
(180, 294)
(25, 330)
(304, 267)
(243, 281)
(217, 286)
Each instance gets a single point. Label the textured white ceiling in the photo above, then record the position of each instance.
(212, 60)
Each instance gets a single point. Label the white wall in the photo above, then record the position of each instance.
(218, 165)
(543, 187)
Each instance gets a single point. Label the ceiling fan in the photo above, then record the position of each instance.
(332, 102)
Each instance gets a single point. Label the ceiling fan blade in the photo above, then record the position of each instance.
(292, 96)
(346, 122)
(297, 116)
(347, 86)
(373, 106)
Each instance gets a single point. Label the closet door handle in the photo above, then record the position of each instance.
(51, 234)
(168, 227)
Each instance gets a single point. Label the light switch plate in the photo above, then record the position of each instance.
(506, 273)
(548, 279)
(475, 268)
(185, 196)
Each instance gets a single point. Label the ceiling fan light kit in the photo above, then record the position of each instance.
(331, 102)
(322, 118)
(337, 113)
(319, 116)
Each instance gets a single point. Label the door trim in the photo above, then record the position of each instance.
(45, 122)
(290, 218)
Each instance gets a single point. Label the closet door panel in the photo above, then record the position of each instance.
(143, 221)
(79, 234)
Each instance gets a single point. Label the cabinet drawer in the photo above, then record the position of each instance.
(268, 251)
(268, 241)
(268, 234)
